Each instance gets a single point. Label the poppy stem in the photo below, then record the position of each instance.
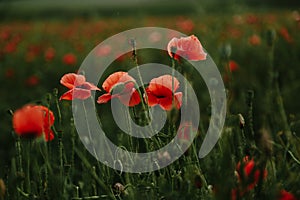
(173, 74)
(275, 99)
(144, 101)
(28, 182)
(88, 130)
(19, 158)
(128, 117)
(60, 142)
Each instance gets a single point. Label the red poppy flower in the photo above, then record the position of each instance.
(103, 50)
(250, 174)
(159, 92)
(252, 19)
(122, 86)
(285, 34)
(185, 25)
(32, 80)
(79, 88)
(188, 47)
(10, 47)
(49, 54)
(69, 59)
(32, 121)
(233, 66)
(254, 40)
(284, 195)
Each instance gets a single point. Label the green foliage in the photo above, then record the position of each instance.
(263, 89)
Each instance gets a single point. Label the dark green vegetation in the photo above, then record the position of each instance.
(264, 89)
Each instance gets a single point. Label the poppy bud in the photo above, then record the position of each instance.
(225, 51)
(242, 121)
(119, 188)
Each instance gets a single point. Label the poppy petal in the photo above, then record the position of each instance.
(76, 93)
(135, 98)
(188, 47)
(71, 80)
(80, 93)
(49, 136)
(104, 98)
(113, 79)
(178, 99)
(28, 121)
(151, 99)
(67, 96)
(162, 86)
(166, 103)
(89, 86)
(130, 98)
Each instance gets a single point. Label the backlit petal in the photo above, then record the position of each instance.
(72, 80)
(104, 98)
(113, 79)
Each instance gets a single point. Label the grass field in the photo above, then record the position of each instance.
(258, 55)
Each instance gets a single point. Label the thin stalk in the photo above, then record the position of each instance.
(278, 104)
(19, 158)
(28, 182)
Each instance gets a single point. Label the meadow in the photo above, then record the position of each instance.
(257, 156)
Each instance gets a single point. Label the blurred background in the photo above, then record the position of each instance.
(41, 40)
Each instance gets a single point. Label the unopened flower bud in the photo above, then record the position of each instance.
(226, 51)
(119, 188)
(242, 121)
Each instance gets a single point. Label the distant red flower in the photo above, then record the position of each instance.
(10, 47)
(155, 37)
(249, 174)
(49, 54)
(188, 47)
(79, 88)
(103, 50)
(159, 92)
(9, 73)
(285, 34)
(69, 59)
(185, 25)
(254, 40)
(4, 35)
(32, 80)
(284, 195)
(34, 49)
(234, 32)
(233, 66)
(31, 121)
(122, 86)
(252, 19)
